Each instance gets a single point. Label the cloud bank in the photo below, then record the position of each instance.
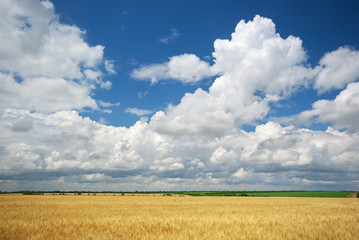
(45, 144)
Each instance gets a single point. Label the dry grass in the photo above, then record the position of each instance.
(175, 217)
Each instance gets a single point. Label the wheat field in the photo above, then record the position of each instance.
(176, 217)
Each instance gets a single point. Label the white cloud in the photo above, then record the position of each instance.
(197, 113)
(343, 111)
(188, 68)
(48, 4)
(109, 111)
(185, 68)
(174, 35)
(293, 148)
(197, 144)
(45, 65)
(110, 67)
(167, 164)
(223, 158)
(152, 72)
(67, 146)
(35, 43)
(108, 104)
(92, 75)
(138, 112)
(336, 69)
(241, 174)
(256, 60)
(44, 94)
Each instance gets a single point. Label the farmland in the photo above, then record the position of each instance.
(154, 216)
(271, 194)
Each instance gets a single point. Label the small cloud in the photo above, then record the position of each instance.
(174, 34)
(110, 67)
(153, 72)
(124, 13)
(107, 104)
(109, 111)
(138, 112)
(186, 68)
(141, 95)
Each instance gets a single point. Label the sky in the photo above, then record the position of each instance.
(179, 95)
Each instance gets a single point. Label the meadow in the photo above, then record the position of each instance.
(154, 216)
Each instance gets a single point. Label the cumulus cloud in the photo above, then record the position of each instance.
(257, 67)
(65, 146)
(185, 68)
(45, 65)
(337, 68)
(35, 43)
(342, 112)
(241, 174)
(256, 60)
(44, 94)
(301, 149)
(222, 158)
(197, 144)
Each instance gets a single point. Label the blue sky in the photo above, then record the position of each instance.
(131, 33)
(179, 95)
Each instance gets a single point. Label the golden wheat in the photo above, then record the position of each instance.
(176, 217)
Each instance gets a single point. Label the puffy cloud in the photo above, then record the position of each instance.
(342, 112)
(37, 44)
(197, 113)
(257, 67)
(222, 158)
(45, 65)
(186, 68)
(65, 141)
(47, 4)
(74, 149)
(258, 59)
(197, 144)
(241, 174)
(167, 164)
(336, 69)
(153, 72)
(301, 150)
(110, 67)
(44, 94)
